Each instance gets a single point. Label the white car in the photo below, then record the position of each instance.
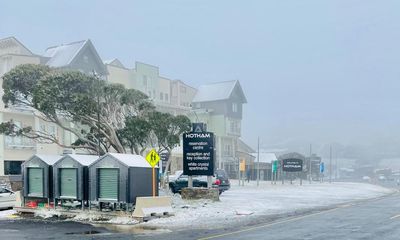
(7, 198)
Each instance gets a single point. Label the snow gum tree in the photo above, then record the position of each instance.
(92, 110)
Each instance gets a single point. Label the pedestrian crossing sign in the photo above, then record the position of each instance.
(153, 158)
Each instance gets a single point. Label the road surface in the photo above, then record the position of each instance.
(372, 219)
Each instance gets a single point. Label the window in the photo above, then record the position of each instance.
(17, 140)
(145, 80)
(183, 89)
(166, 97)
(227, 150)
(12, 167)
(42, 127)
(149, 94)
(52, 130)
(234, 127)
(161, 96)
(234, 107)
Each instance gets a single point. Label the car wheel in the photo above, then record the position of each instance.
(173, 190)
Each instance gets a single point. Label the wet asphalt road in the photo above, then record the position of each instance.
(372, 219)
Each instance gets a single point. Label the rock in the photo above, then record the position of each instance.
(200, 193)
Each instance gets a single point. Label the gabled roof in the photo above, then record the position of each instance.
(13, 42)
(114, 62)
(219, 91)
(244, 147)
(129, 160)
(84, 160)
(265, 157)
(63, 55)
(49, 159)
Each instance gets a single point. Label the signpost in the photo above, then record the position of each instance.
(292, 165)
(242, 169)
(198, 153)
(274, 173)
(321, 170)
(153, 158)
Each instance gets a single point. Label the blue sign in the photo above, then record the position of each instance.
(321, 167)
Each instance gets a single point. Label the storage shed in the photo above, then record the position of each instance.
(120, 178)
(71, 177)
(37, 176)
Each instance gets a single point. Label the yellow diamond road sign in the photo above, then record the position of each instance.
(153, 158)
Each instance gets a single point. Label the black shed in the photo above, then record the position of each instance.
(37, 176)
(120, 178)
(71, 177)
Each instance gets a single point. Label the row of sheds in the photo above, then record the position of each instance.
(112, 177)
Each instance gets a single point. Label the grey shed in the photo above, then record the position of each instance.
(71, 176)
(37, 176)
(121, 178)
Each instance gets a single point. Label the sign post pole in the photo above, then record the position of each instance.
(198, 154)
(153, 158)
(154, 182)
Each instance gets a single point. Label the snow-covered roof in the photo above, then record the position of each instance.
(217, 91)
(265, 157)
(13, 42)
(85, 160)
(130, 160)
(63, 55)
(114, 62)
(49, 159)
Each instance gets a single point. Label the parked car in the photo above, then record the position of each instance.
(222, 176)
(181, 181)
(7, 198)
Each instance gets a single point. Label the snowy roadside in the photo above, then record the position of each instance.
(7, 214)
(242, 204)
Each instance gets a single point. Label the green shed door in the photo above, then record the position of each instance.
(35, 182)
(108, 183)
(68, 186)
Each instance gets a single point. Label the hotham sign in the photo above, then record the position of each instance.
(198, 153)
(292, 165)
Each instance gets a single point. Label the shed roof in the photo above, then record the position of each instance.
(218, 91)
(85, 160)
(130, 160)
(49, 159)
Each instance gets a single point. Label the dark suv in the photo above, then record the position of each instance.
(181, 181)
(222, 176)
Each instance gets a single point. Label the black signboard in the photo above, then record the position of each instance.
(198, 153)
(292, 165)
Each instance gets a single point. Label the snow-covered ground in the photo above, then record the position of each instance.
(244, 203)
(7, 214)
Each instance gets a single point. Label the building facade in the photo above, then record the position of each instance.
(218, 105)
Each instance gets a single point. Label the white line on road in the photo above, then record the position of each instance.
(275, 223)
(395, 216)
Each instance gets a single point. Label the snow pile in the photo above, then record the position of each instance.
(46, 213)
(6, 214)
(243, 203)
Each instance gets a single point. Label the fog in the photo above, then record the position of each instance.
(314, 72)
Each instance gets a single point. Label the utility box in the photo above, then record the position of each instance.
(120, 178)
(37, 176)
(71, 177)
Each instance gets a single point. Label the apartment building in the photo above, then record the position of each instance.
(172, 96)
(219, 105)
(81, 56)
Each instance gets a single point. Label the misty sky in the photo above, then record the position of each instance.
(313, 71)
